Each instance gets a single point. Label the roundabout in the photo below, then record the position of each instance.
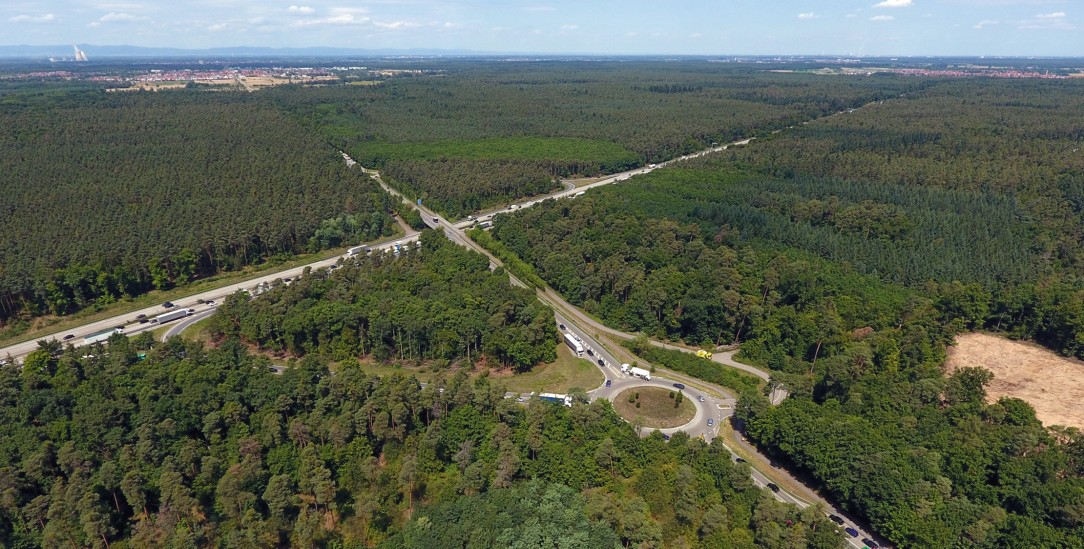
(655, 407)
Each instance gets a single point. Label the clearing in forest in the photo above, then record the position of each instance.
(1052, 384)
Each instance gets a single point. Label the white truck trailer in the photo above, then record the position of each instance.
(640, 373)
(576, 346)
(101, 336)
(556, 399)
(172, 315)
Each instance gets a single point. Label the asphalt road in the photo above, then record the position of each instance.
(697, 427)
(131, 323)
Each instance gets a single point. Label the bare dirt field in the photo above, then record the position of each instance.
(1053, 384)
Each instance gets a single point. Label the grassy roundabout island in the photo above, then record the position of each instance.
(658, 408)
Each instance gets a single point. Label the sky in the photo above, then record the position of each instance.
(705, 27)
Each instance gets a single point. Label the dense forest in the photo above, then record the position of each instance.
(191, 447)
(495, 127)
(438, 302)
(849, 283)
(111, 195)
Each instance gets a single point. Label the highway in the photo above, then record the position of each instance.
(130, 320)
(717, 408)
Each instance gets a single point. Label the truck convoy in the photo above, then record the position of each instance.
(172, 315)
(556, 399)
(575, 345)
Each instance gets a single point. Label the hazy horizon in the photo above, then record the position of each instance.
(869, 28)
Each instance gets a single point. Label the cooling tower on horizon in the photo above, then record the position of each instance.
(80, 55)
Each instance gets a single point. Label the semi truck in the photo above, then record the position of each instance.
(172, 315)
(357, 250)
(573, 344)
(640, 373)
(101, 336)
(556, 399)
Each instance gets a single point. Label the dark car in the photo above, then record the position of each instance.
(870, 543)
(601, 362)
(608, 382)
(590, 351)
(711, 422)
(739, 460)
(836, 519)
(167, 305)
(851, 531)
(562, 327)
(679, 385)
(773, 487)
(69, 336)
(140, 317)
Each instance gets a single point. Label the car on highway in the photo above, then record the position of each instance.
(562, 327)
(140, 317)
(602, 362)
(590, 351)
(739, 460)
(870, 543)
(679, 385)
(69, 336)
(836, 519)
(191, 311)
(773, 487)
(211, 302)
(701, 398)
(851, 531)
(711, 422)
(167, 305)
(608, 382)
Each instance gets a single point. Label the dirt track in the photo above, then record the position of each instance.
(1053, 384)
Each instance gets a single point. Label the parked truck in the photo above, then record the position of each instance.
(172, 315)
(640, 373)
(556, 399)
(573, 344)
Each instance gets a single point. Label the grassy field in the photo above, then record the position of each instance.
(1050, 383)
(560, 376)
(657, 410)
(516, 148)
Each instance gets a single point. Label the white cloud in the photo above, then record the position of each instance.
(807, 15)
(569, 27)
(47, 18)
(1055, 15)
(894, 4)
(396, 25)
(305, 10)
(117, 16)
(881, 18)
(985, 23)
(217, 28)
